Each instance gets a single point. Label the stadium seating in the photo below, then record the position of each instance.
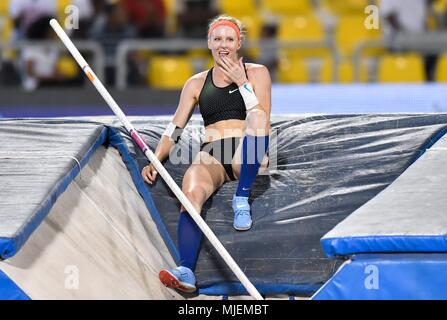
(441, 69)
(338, 7)
(4, 5)
(298, 20)
(170, 6)
(67, 67)
(169, 72)
(6, 27)
(171, 18)
(345, 71)
(304, 28)
(292, 71)
(238, 8)
(287, 7)
(350, 31)
(401, 68)
(439, 6)
(60, 9)
(253, 25)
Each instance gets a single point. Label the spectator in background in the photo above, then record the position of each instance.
(407, 16)
(111, 27)
(193, 17)
(27, 12)
(403, 16)
(148, 16)
(98, 7)
(39, 64)
(269, 58)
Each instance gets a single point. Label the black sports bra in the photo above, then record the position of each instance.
(216, 104)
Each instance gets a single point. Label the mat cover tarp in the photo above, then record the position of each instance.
(39, 159)
(408, 216)
(327, 167)
(389, 277)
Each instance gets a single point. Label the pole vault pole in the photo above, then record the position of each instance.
(153, 159)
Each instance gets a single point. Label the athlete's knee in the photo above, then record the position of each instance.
(196, 195)
(193, 195)
(256, 120)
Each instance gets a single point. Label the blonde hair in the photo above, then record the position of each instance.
(237, 22)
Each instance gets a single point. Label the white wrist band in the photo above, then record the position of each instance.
(248, 95)
(173, 132)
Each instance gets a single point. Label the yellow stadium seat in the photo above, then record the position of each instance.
(439, 6)
(401, 68)
(60, 9)
(171, 19)
(287, 7)
(238, 8)
(292, 71)
(350, 31)
(431, 23)
(67, 66)
(253, 25)
(169, 72)
(6, 27)
(340, 7)
(170, 6)
(304, 28)
(441, 69)
(4, 8)
(345, 71)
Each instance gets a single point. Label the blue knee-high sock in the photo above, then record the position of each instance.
(189, 238)
(253, 150)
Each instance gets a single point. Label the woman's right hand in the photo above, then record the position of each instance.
(149, 173)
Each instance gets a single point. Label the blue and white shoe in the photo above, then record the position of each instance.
(242, 216)
(180, 278)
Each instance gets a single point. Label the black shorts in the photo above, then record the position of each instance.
(223, 150)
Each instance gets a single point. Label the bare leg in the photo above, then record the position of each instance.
(200, 181)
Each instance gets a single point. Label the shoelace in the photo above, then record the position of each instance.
(242, 213)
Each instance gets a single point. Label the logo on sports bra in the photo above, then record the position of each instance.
(231, 91)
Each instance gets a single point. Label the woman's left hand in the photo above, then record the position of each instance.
(234, 71)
